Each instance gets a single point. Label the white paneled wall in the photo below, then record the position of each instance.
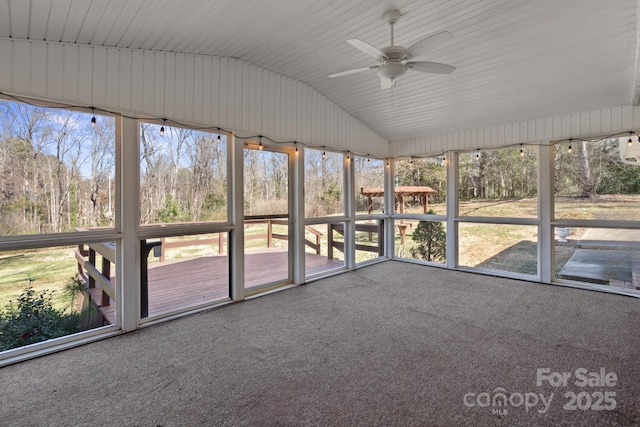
(598, 123)
(201, 90)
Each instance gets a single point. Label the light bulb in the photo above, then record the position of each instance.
(218, 138)
(93, 121)
(324, 155)
(161, 130)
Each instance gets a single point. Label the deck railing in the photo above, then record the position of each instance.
(371, 228)
(92, 276)
(89, 273)
(221, 239)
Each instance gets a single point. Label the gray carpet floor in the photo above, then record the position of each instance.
(389, 344)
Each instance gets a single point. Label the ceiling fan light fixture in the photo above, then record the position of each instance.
(392, 70)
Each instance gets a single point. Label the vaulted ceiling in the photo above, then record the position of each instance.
(516, 59)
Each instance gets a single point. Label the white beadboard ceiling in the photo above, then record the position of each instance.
(516, 59)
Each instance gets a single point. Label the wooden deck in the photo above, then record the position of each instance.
(177, 285)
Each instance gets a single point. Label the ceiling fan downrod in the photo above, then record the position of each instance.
(391, 16)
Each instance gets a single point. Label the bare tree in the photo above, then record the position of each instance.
(587, 180)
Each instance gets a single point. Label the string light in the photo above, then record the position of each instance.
(212, 128)
(260, 146)
(296, 142)
(387, 162)
(93, 119)
(630, 142)
(162, 127)
(478, 155)
(218, 138)
(368, 159)
(324, 155)
(521, 151)
(348, 156)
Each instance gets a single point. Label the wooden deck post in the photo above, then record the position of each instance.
(317, 244)
(269, 231)
(144, 279)
(329, 241)
(81, 251)
(106, 272)
(145, 249)
(92, 261)
(380, 237)
(402, 227)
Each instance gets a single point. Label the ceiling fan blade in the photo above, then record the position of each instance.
(431, 67)
(354, 71)
(425, 45)
(386, 83)
(367, 48)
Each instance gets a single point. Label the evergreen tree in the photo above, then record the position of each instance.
(431, 240)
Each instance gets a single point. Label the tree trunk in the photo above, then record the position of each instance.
(586, 175)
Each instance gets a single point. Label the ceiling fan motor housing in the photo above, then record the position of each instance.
(395, 53)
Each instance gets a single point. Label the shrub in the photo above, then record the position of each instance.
(32, 318)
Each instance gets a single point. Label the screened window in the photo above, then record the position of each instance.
(183, 175)
(323, 183)
(601, 256)
(502, 247)
(597, 179)
(369, 185)
(57, 170)
(421, 186)
(56, 291)
(498, 183)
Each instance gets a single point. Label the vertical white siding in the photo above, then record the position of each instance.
(202, 90)
(589, 124)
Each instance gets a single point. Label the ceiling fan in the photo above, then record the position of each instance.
(394, 60)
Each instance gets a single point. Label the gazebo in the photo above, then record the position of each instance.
(422, 192)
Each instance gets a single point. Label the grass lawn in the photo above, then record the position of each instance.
(50, 268)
